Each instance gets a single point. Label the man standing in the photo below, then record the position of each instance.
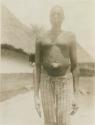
(56, 74)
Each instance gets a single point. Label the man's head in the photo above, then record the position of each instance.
(56, 16)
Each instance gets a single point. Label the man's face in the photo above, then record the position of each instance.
(56, 16)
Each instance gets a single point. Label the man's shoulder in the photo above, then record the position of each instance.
(69, 34)
(71, 37)
(40, 37)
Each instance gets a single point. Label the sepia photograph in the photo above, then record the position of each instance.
(47, 62)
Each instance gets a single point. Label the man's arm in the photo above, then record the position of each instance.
(37, 68)
(37, 75)
(74, 66)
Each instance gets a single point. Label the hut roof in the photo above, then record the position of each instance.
(14, 33)
(83, 55)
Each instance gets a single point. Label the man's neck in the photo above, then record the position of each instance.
(56, 30)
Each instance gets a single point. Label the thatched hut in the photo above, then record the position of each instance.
(16, 38)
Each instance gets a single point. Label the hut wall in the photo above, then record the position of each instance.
(87, 69)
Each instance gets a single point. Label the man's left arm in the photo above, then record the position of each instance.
(74, 66)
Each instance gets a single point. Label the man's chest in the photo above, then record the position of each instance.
(60, 42)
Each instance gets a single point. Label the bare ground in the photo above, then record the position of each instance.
(20, 110)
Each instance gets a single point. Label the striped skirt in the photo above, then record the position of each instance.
(56, 96)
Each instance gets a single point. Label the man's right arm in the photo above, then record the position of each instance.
(37, 75)
(37, 69)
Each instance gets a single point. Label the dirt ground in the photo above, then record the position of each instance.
(20, 110)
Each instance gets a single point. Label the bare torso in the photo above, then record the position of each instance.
(55, 53)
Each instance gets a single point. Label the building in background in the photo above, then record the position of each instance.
(16, 70)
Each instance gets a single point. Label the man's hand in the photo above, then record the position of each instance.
(74, 106)
(37, 105)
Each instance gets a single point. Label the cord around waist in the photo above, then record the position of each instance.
(67, 75)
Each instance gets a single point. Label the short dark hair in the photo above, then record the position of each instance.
(57, 7)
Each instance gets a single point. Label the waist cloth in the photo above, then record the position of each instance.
(56, 96)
